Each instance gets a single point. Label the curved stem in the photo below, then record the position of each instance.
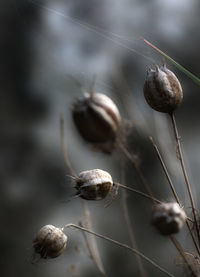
(185, 174)
(64, 148)
(139, 192)
(93, 244)
(121, 245)
(130, 229)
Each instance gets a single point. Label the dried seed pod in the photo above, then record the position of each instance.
(50, 242)
(97, 118)
(168, 218)
(162, 90)
(94, 184)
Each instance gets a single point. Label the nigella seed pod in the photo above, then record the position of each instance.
(50, 242)
(94, 184)
(168, 218)
(97, 118)
(162, 90)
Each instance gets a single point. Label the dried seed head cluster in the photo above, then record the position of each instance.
(94, 184)
(162, 90)
(97, 119)
(50, 242)
(168, 218)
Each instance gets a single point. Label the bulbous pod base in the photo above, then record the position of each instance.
(168, 218)
(96, 192)
(162, 90)
(50, 242)
(94, 184)
(96, 118)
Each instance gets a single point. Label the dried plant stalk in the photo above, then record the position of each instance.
(153, 199)
(184, 256)
(93, 249)
(185, 174)
(129, 225)
(70, 225)
(93, 244)
(174, 191)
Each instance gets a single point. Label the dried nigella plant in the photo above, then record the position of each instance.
(162, 90)
(94, 184)
(98, 120)
(168, 218)
(50, 242)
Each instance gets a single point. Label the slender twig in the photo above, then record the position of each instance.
(139, 193)
(165, 170)
(86, 242)
(191, 220)
(185, 173)
(121, 245)
(144, 195)
(93, 246)
(178, 246)
(93, 249)
(131, 234)
(174, 191)
(64, 148)
(137, 168)
(182, 253)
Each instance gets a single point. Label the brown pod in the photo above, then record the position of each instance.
(168, 218)
(94, 184)
(162, 90)
(50, 242)
(97, 118)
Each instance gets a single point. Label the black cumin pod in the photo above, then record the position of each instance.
(96, 118)
(94, 184)
(162, 90)
(50, 242)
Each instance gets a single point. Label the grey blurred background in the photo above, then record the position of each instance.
(43, 46)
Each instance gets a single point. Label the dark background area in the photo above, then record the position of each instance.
(43, 44)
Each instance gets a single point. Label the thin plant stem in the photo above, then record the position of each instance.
(139, 193)
(93, 249)
(178, 246)
(165, 171)
(173, 190)
(70, 225)
(182, 253)
(137, 168)
(86, 242)
(144, 195)
(64, 148)
(131, 234)
(178, 65)
(185, 173)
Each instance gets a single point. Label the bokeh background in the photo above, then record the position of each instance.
(44, 47)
